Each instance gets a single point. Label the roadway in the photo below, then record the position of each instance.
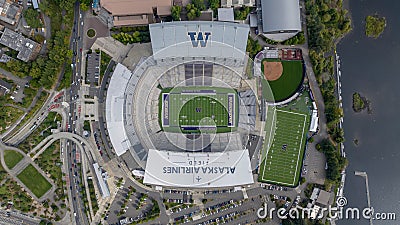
(74, 170)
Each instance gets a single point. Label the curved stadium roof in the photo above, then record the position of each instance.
(280, 16)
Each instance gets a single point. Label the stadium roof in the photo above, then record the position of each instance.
(115, 107)
(199, 170)
(280, 16)
(218, 39)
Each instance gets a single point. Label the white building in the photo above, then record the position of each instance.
(237, 3)
(280, 19)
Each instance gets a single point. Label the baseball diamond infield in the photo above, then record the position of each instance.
(286, 85)
(272, 70)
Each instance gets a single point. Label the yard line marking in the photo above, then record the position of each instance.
(301, 143)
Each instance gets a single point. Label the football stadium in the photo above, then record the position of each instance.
(187, 120)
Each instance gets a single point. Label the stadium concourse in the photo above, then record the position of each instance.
(212, 105)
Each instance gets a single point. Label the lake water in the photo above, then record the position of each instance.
(372, 67)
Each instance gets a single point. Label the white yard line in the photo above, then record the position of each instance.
(300, 147)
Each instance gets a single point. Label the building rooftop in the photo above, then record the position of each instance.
(226, 14)
(5, 87)
(10, 12)
(105, 192)
(26, 48)
(280, 17)
(136, 12)
(323, 198)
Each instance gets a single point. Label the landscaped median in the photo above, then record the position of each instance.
(34, 181)
(12, 158)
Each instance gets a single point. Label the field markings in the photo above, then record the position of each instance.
(301, 143)
(269, 142)
(284, 158)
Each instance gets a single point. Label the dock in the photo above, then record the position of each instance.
(364, 174)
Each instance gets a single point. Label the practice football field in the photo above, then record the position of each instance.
(282, 157)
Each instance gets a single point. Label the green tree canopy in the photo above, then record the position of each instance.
(32, 18)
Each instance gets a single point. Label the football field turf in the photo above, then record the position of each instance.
(192, 108)
(282, 157)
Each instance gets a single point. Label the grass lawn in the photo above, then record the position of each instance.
(12, 158)
(287, 84)
(8, 116)
(34, 181)
(284, 148)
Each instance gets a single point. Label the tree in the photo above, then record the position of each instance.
(176, 12)
(214, 4)
(32, 18)
(253, 47)
(199, 4)
(374, 26)
(192, 11)
(84, 7)
(326, 17)
(241, 14)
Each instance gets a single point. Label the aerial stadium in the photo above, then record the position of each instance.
(186, 119)
(186, 113)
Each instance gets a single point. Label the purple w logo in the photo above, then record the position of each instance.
(200, 38)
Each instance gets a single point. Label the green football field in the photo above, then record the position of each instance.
(287, 84)
(192, 108)
(200, 110)
(284, 148)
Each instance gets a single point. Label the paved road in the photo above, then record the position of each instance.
(76, 46)
(24, 131)
(7, 217)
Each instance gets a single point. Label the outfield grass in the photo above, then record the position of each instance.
(284, 148)
(12, 158)
(34, 181)
(287, 84)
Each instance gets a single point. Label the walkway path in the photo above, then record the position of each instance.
(22, 165)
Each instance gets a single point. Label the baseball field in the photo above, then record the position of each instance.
(284, 77)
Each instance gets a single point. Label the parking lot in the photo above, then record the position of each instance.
(132, 203)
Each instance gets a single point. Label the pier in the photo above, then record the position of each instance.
(364, 174)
